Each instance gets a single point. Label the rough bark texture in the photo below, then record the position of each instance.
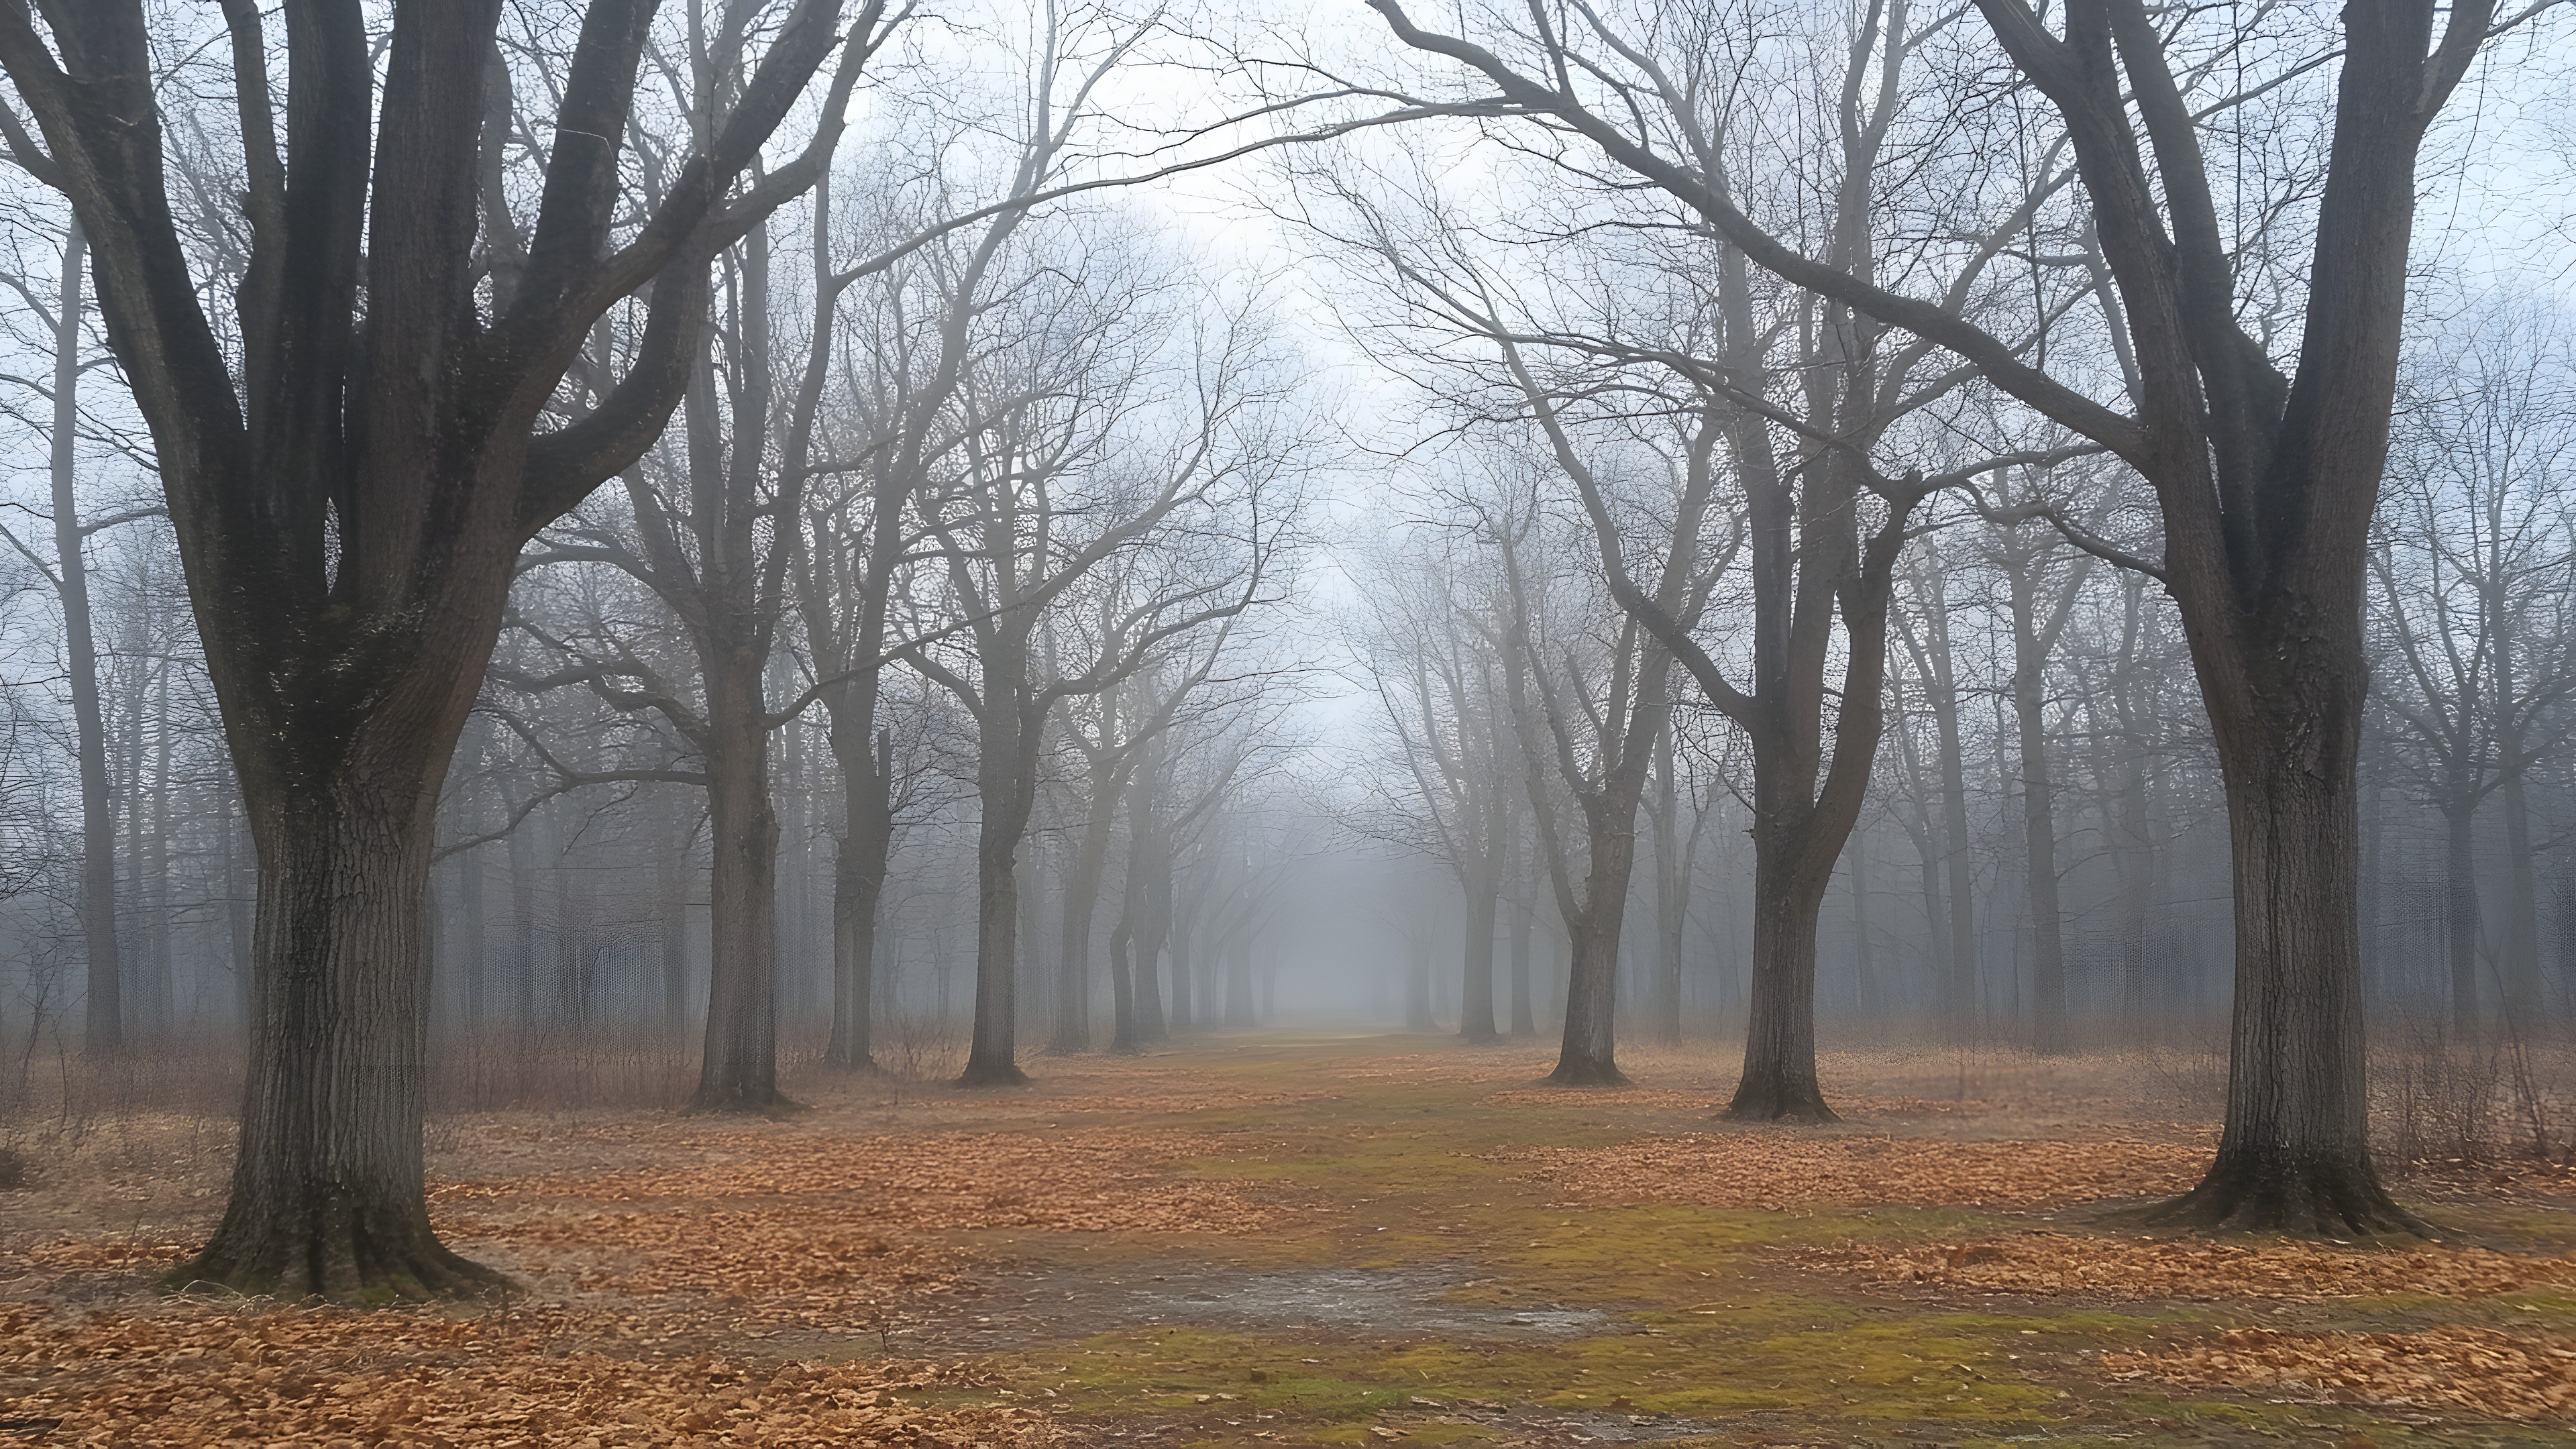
(1779, 1083)
(739, 1072)
(2294, 1154)
(327, 1194)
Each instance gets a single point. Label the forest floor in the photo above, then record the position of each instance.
(1260, 1240)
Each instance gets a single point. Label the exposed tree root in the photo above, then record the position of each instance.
(1004, 1074)
(1779, 1101)
(1574, 1071)
(337, 1253)
(745, 1104)
(2322, 1195)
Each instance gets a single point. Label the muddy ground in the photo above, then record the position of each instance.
(1275, 1241)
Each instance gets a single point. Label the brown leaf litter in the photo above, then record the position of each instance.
(2489, 1373)
(1778, 1171)
(2054, 1264)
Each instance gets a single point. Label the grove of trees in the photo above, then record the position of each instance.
(742, 534)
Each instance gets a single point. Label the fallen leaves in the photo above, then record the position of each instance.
(1098, 1180)
(1779, 1170)
(191, 1373)
(2487, 1372)
(2051, 1264)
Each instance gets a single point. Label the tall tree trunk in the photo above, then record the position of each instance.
(1006, 777)
(1153, 866)
(1476, 984)
(672, 888)
(1524, 887)
(2519, 952)
(1184, 988)
(1779, 1081)
(327, 1192)
(523, 928)
(858, 892)
(2294, 1151)
(471, 933)
(2460, 899)
(2039, 818)
(1087, 868)
(104, 1031)
(1672, 894)
(739, 1071)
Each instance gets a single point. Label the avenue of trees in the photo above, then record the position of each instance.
(747, 527)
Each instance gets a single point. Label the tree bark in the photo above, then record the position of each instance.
(1779, 1078)
(1476, 983)
(2294, 1152)
(104, 1024)
(739, 1071)
(327, 1196)
(2038, 814)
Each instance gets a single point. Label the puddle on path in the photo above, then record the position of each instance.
(1395, 1303)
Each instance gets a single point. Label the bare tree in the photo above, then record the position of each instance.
(351, 483)
(2265, 473)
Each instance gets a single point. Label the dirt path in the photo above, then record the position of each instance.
(1267, 1241)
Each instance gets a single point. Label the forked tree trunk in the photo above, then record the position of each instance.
(1779, 1082)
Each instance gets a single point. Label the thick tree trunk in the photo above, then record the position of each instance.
(1006, 779)
(1779, 1082)
(1588, 1055)
(858, 885)
(992, 1056)
(327, 1196)
(739, 1072)
(2294, 1154)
